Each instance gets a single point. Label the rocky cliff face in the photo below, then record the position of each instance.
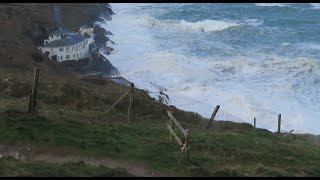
(95, 64)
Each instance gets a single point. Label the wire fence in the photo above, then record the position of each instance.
(171, 97)
(175, 98)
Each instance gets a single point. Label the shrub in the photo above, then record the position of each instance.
(19, 89)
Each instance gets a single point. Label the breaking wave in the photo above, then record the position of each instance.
(254, 83)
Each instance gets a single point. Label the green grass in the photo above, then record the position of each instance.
(71, 120)
(13, 167)
(216, 152)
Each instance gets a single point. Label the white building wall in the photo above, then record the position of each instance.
(90, 40)
(79, 53)
(75, 52)
(54, 37)
(51, 38)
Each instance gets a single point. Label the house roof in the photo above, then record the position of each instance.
(69, 40)
(60, 32)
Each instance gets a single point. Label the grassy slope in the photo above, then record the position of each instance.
(13, 167)
(219, 152)
(71, 119)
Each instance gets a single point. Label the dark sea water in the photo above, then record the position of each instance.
(254, 60)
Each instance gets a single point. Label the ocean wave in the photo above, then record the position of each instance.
(272, 4)
(315, 5)
(205, 25)
(246, 86)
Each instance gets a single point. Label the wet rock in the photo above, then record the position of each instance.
(96, 64)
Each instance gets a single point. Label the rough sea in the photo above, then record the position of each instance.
(254, 60)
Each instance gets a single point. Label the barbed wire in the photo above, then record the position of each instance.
(184, 102)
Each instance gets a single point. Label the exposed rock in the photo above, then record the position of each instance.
(100, 36)
(95, 64)
(109, 33)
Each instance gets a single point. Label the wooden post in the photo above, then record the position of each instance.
(129, 107)
(213, 115)
(187, 144)
(130, 114)
(289, 133)
(254, 124)
(279, 123)
(171, 125)
(123, 96)
(34, 90)
(132, 96)
(30, 104)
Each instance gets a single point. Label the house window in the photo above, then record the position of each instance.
(72, 48)
(61, 49)
(74, 56)
(61, 57)
(77, 56)
(51, 36)
(68, 57)
(68, 48)
(58, 57)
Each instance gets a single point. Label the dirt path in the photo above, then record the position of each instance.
(29, 154)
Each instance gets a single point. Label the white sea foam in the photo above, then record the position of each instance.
(272, 4)
(205, 25)
(243, 87)
(315, 5)
(313, 46)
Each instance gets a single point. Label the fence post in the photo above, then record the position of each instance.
(279, 123)
(30, 103)
(34, 91)
(130, 113)
(171, 125)
(254, 124)
(132, 98)
(187, 144)
(213, 115)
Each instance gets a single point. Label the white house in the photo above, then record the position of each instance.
(63, 45)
